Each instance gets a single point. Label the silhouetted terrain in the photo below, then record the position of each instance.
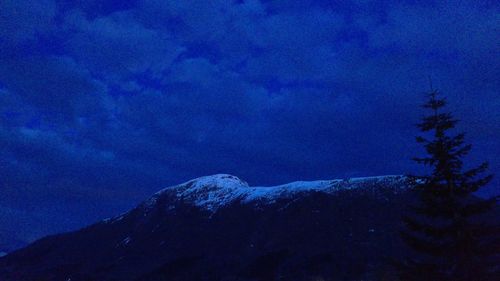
(218, 228)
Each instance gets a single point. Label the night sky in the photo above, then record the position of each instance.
(103, 103)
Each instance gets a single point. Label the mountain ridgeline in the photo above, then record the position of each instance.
(219, 228)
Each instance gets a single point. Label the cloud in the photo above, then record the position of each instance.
(464, 28)
(56, 85)
(22, 20)
(117, 47)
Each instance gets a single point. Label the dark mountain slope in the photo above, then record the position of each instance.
(219, 228)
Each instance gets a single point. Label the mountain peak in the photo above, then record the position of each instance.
(219, 180)
(215, 191)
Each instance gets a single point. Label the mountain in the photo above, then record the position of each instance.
(219, 228)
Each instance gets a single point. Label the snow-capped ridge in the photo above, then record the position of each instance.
(216, 191)
(218, 180)
(213, 192)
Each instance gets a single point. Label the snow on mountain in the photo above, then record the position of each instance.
(213, 192)
(216, 191)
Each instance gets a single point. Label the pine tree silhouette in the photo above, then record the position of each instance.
(445, 229)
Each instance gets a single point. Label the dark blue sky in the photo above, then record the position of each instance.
(104, 102)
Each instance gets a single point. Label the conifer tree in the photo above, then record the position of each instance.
(447, 228)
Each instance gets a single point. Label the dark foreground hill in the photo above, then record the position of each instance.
(219, 228)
